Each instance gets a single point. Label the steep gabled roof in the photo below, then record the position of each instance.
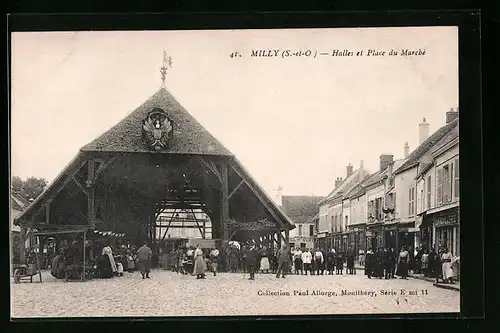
(300, 208)
(426, 146)
(189, 136)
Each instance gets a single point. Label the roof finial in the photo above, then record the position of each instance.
(167, 63)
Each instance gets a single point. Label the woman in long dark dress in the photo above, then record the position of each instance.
(330, 262)
(339, 263)
(403, 264)
(369, 263)
(104, 270)
(350, 263)
(378, 268)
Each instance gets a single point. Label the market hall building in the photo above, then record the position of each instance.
(158, 159)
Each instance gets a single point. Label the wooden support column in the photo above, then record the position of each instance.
(271, 242)
(22, 251)
(41, 241)
(91, 192)
(225, 200)
(287, 237)
(84, 241)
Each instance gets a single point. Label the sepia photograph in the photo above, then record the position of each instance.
(261, 172)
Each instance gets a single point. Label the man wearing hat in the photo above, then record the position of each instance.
(144, 255)
(251, 259)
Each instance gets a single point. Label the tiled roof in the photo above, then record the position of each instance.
(427, 145)
(14, 204)
(450, 136)
(189, 136)
(300, 209)
(347, 184)
(372, 179)
(360, 188)
(423, 167)
(18, 202)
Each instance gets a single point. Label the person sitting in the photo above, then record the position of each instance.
(58, 267)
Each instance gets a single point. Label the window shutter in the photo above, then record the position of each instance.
(439, 187)
(429, 188)
(457, 179)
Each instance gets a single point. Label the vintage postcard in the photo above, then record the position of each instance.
(235, 172)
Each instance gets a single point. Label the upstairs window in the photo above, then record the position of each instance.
(300, 229)
(446, 183)
(311, 230)
(457, 180)
(378, 209)
(439, 187)
(411, 201)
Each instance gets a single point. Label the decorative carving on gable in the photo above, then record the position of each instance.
(157, 129)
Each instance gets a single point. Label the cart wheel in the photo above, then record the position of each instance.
(17, 276)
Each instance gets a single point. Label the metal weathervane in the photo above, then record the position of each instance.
(167, 63)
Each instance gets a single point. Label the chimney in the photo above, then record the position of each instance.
(349, 170)
(451, 115)
(338, 181)
(360, 174)
(385, 160)
(389, 170)
(423, 131)
(407, 150)
(278, 198)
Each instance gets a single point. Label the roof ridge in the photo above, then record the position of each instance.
(190, 137)
(427, 145)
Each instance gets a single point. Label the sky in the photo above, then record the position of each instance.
(294, 122)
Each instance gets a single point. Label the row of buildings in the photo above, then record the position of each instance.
(412, 201)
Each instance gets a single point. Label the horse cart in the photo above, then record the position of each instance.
(24, 272)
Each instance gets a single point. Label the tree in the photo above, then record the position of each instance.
(17, 184)
(30, 188)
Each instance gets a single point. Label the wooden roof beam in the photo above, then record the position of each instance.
(259, 196)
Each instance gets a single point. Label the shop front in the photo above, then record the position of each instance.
(391, 236)
(357, 238)
(321, 241)
(425, 232)
(447, 231)
(337, 240)
(374, 236)
(406, 238)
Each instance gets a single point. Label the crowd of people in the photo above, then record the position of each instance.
(247, 258)
(386, 263)
(107, 260)
(103, 259)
